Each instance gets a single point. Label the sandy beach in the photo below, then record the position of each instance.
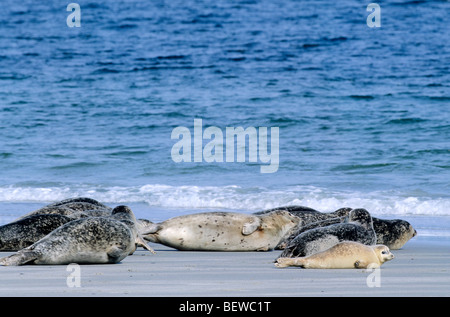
(420, 268)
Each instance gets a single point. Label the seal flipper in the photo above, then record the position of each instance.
(250, 227)
(114, 254)
(20, 258)
(361, 264)
(142, 243)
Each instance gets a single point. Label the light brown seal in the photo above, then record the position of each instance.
(223, 231)
(344, 255)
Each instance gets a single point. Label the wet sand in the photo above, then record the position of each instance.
(420, 268)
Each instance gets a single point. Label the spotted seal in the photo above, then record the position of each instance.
(124, 214)
(80, 207)
(82, 201)
(393, 233)
(22, 233)
(359, 228)
(87, 240)
(223, 231)
(308, 215)
(312, 225)
(344, 255)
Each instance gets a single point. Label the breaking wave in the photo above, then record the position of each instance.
(237, 198)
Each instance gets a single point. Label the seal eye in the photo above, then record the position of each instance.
(383, 252)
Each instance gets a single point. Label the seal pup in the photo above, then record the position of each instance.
(223, 231)
(359, 228)
(393, 233)
(344, 255)
(94, 240)
(22, 233)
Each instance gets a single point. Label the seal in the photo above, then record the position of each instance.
(393, 233)
(56, 210)
(344, 255)
(22, 233)
(82, 201)
(94, 240)
(124, 214)
(222, 231)
(309, 215)
(74, 207)
(292, 209)
(359, 228)
(300, 229)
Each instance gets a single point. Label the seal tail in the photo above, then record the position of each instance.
(20, 258)
(147, 227)
(286, 262)
(151, 237)
(149, 231)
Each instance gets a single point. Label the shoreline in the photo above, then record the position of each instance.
(420, 268)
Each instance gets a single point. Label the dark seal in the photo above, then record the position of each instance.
(94, 240)
(393, 233)
(359, 228)
(75, 208)
(308, 215)
(22, 233)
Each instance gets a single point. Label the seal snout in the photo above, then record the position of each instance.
(387, 254)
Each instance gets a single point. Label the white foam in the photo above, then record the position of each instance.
(237, 198)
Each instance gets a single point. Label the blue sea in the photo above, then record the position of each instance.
(363, 112)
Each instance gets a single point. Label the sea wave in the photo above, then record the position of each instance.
(235, 197)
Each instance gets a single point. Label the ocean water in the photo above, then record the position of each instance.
(363, 113)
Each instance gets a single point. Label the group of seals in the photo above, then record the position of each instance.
(347, 238)
(358, 228)
(107, 238)
(392, 233)
(82, 230)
